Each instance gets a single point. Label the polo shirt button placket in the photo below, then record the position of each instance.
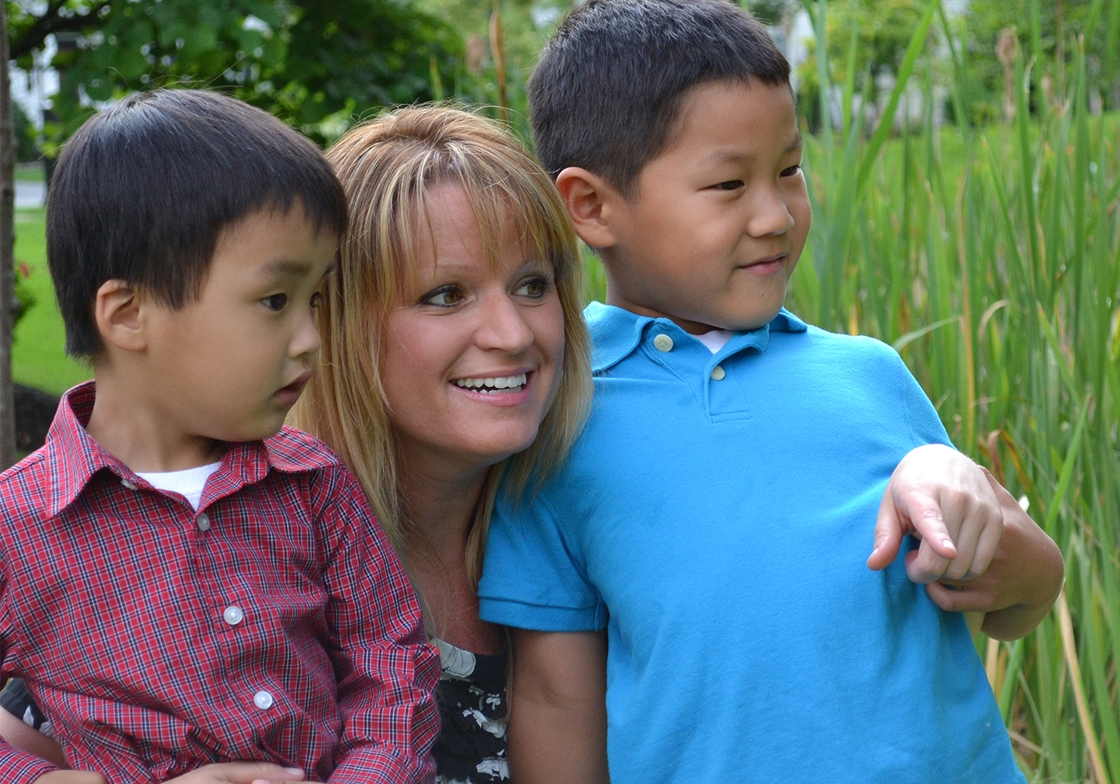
(718, 373)
(663, 343)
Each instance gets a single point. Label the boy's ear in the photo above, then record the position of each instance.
(591, 202)
(118, 313)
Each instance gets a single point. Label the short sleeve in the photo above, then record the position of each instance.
(925, 423)
(533, 576)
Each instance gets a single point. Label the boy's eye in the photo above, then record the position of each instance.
(792, 170)
(534, 288)
(275, 301)
(443, 297)
(729, 185)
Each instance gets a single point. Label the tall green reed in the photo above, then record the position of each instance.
(990, 257)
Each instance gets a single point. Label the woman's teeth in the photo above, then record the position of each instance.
(492, 385)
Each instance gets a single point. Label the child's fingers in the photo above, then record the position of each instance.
(241, 773)
(978, 520)
(888, 535)
(965, 566)
(907, 509)
(921, 509)
(261, 773)
(963, 595)
(924, 565)
(986, 547)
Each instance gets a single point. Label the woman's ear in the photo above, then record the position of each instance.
(118, 313)
(591, 204)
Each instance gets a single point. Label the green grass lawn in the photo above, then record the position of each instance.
(38, 353)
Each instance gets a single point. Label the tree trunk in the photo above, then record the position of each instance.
(7, 254)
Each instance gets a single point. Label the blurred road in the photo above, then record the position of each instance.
(30, 194)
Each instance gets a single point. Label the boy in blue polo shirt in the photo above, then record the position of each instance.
(714, 517)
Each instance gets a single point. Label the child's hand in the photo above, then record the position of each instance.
(70, 777)
(946, 500)
(237, 773)
(1021, 583)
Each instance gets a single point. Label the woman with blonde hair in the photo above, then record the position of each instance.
(454, 356)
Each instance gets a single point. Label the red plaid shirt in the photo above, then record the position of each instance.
(273, 624)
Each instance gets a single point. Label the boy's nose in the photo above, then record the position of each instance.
(305, 341)
(770, 214)
(503, 326)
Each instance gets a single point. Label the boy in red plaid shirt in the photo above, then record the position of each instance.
(183, 581)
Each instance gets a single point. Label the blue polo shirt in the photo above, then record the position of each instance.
(716, 516)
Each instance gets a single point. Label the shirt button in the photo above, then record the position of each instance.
(203, 522)
(262, 699)
(233, 615)
(718, 374)
(129, 484)
(663, 343)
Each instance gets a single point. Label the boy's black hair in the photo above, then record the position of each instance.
(608, 88)
(143, 191)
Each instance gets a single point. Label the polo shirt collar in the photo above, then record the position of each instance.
(73, 457)
(616, 332)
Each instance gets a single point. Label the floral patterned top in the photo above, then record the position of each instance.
(471, 747)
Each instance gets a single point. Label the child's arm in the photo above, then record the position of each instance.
(969, 526)
(221, 773)
(386, 670)
(558, 721)
(18, 763)
(25, 737)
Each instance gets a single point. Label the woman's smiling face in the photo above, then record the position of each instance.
(473, 352)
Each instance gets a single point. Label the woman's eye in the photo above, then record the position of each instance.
(275, 302)
(316, 299)
(444, 297)
(791, 171)
(729, 185)
(534, 288)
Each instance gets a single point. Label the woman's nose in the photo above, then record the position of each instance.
(503, 326)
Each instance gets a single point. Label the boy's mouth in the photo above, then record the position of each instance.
(493, 385)
(766, 264)
(289, 394)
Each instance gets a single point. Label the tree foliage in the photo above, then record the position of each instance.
(315, 64)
